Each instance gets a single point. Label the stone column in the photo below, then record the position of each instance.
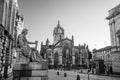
(73, 59)
(118, 35)
(60, 59)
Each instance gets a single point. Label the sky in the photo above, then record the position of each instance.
(84, 19)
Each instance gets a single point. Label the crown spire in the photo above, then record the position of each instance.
(58, 23)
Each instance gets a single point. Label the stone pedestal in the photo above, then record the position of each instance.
(31, 71)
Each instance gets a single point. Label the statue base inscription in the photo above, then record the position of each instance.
(31, 71)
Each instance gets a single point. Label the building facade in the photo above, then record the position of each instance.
(63, 51)
(8, 13)
(111, 54)
(114, 23)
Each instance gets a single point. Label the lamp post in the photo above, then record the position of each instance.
(88, 71)
(88, 59)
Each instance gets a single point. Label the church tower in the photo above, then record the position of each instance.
(58, 33)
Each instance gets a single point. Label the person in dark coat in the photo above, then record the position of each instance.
(111, 70)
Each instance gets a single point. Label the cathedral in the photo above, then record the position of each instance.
(63, 51)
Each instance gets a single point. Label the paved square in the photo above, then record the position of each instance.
(71, 75)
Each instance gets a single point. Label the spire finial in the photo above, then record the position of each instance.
(47, 41)
(42, 43)
(72, 38)
(58, 23)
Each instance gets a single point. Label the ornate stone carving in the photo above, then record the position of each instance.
(26, 52)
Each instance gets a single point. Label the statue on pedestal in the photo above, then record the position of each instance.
(29, 53)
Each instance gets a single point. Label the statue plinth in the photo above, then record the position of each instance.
(31, 71)
(29, 64)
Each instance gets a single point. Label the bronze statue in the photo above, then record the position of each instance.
(26, 50)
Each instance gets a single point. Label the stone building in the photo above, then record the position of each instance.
(111, 54)
(8, 11)
(103, 54)
(63, 51)
(114, 23)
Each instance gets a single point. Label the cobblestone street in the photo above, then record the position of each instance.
(71, 75)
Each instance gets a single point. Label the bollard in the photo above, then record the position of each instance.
(92, 71)
(65, 74)
(78, 77)
(57, 73)
(81, 71)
